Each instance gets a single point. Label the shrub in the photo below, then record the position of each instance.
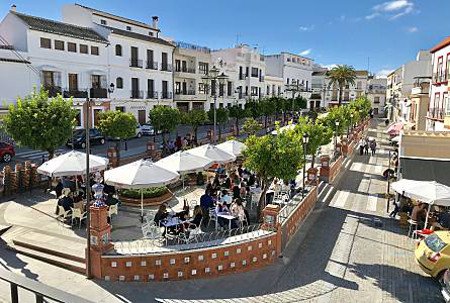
(148, 192)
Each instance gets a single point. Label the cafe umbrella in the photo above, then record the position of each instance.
(232, 147)
(213, 153)
(140, 174)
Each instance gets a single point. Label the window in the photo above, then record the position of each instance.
(254, 91)
(120, 108)
(119, 82)
(118, 50)
(376, 100)
(287, 81)
(46, 43)
(177, 87)
(177, 65)
(103, 21)
(59, 45)
(94, 50)
(128, 28)
(83, 49)
(78, 117)
(72, 47)
(150, 34)
(255, 72)
(73, 82)
(229, 88)
(47, 79)
(203, 68)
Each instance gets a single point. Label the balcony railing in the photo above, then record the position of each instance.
(189, 92)
(135, 63)
(261, 79)
(152, 95)
(166, 67)
(137, 94)
(166, 95)
(53, 90)
(98, 92)
(241, 76)
(190, 70)
(436, 113)
(441, 76)
(151, 65)
(74, 93)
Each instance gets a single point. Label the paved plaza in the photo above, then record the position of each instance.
(348, 250)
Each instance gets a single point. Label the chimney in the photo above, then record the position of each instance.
(155, 22)
(13, 8)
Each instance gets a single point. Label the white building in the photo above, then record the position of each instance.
(274, 86)
(139, 61)
(296, 72)
(328, 95)
(376, 93)
(63, 58)
(245, 68)
(438, 118)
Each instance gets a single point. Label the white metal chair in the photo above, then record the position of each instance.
(113, 210)
(62, 214)
(413, 226)
(212, 217)
(78, 214)
(152, 232)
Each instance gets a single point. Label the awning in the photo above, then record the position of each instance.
(425, 170)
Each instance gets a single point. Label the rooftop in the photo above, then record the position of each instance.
(138, 36)
(441, 45)
(60, 28)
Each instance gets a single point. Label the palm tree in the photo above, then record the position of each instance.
(341, 75)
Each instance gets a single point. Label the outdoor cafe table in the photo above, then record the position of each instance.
(226, 216)
(171, 222)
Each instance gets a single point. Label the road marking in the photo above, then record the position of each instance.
(372, 202)
(341, 199)
(330, 190)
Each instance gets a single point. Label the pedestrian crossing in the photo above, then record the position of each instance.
(36, 155)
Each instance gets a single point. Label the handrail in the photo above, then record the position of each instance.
(40, 290)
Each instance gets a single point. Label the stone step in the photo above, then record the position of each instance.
(75, 266)
(49, 251)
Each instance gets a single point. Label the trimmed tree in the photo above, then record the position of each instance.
(237, 113)
(117, 124)
(222, 115)
(194, 118)
(272, 157)
(251, 126)
(266, 108)
(318, 134)
(39, 122)
(164, 119)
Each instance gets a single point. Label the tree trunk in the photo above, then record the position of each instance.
(51, 153)
(220, 132)
(237, 127)
(265, 122)
(313, 160)
(194, 129)
(340, 95)
(262, 200)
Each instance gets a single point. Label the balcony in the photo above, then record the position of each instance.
(135, 63)
(151, 65)
(166, 95)
(436, 114)
(189, 70)
(261, 79)
(441, 76)
(53, 90)
(98, 92)
(137, 94)
(152, 95)
(241, 77)
(75, 93)
(189, 92)
(166, 67)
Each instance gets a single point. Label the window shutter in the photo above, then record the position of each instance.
(57, 78)
(103, 81)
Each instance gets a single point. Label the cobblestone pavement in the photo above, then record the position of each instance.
(347, 251)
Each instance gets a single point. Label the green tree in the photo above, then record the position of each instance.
(272, 157)
(237, 113)
(39, 122)
(253, 108)
(251, 126)
(341, 76)
(222, 116)
(318, 135)
(299, 103)
(266, 108)
(360, 108)
(194, 118)
(337, 114)
(117, 124)
(164, 119)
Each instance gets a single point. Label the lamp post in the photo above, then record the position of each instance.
(87, 181)
(294, 88)
(211, 79)
(305, 144)
(336, 134)
(350, 126)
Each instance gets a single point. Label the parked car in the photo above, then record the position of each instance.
(446, 286)
(433, 254)
(138, 131)
(7, 151)
(147, 129)
(79, 138)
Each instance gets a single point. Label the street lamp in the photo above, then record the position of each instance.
(211, 79)
(305, 144)
(88, 185)
(335, 135)
(350, 126)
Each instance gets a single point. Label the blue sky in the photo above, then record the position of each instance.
(329, 31)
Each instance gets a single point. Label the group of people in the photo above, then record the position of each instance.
(365, 144)
(181, 144)
(186, 222)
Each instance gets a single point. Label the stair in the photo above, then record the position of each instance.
(62, 251)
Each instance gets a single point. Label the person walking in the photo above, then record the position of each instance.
(373, 146)
(361, 146)
(366, 146)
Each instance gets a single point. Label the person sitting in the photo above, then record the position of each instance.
(251, 180)
(206, 201)
(222, 208)
(110, 200)
(237, 209)
(419, 214)
(196, 217)
(226, 199)
(66, 200)
(220, 170)
(216, 182)
(444, 219)
(240, 171)
(227, 183)
(236, 191)
(58, 188)
(161, 214)
(243, 190)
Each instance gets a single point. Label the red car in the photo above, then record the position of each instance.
(6, 151)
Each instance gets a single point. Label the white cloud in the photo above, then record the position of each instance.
(329, 66)
(383, 73)
(306, 28)
(306, 52)
(392, 9)
(412, 29)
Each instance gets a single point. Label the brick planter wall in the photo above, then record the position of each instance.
(335, 168)
(290, 226)
(200, 263)
(147, 201)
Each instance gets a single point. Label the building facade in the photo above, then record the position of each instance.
(438, 117)
(376, 93)
(274, 86)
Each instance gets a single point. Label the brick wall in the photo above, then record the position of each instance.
(191, 264)
(335, 168)
(290, 226)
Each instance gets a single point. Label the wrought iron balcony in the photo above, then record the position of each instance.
(135, 63)
(152, 95)
(166, 67)
(151, 65)
(98, 92)
(137, 94)
(75, 93)
(53, 90)
(166, 95)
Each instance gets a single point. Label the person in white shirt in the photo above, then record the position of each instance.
(237, 210)
(226, 199)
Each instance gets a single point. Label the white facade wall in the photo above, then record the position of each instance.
(274, 86)
(376, 94)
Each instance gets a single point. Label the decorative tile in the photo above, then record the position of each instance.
(113, 264)
(273, 253)
(264, 256)
(180, 274)
(172, 261)
(166, 275)
(220, 267)
(193, 272)
(107, 278)
(260, 245)
(249, 248)
(238, 250)
(226, 253)
(232, 265)
(121, 278)
(254, 259)
(136, 278)
(207, 270)
(158, 262)
(128, 264)
(244, 262)
(214, 255)
(269, 242)
(201, 257)
(187, 260)
(151, 277)
(143, 263)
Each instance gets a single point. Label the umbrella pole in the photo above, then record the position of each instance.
(428, 213)
(142, 206)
